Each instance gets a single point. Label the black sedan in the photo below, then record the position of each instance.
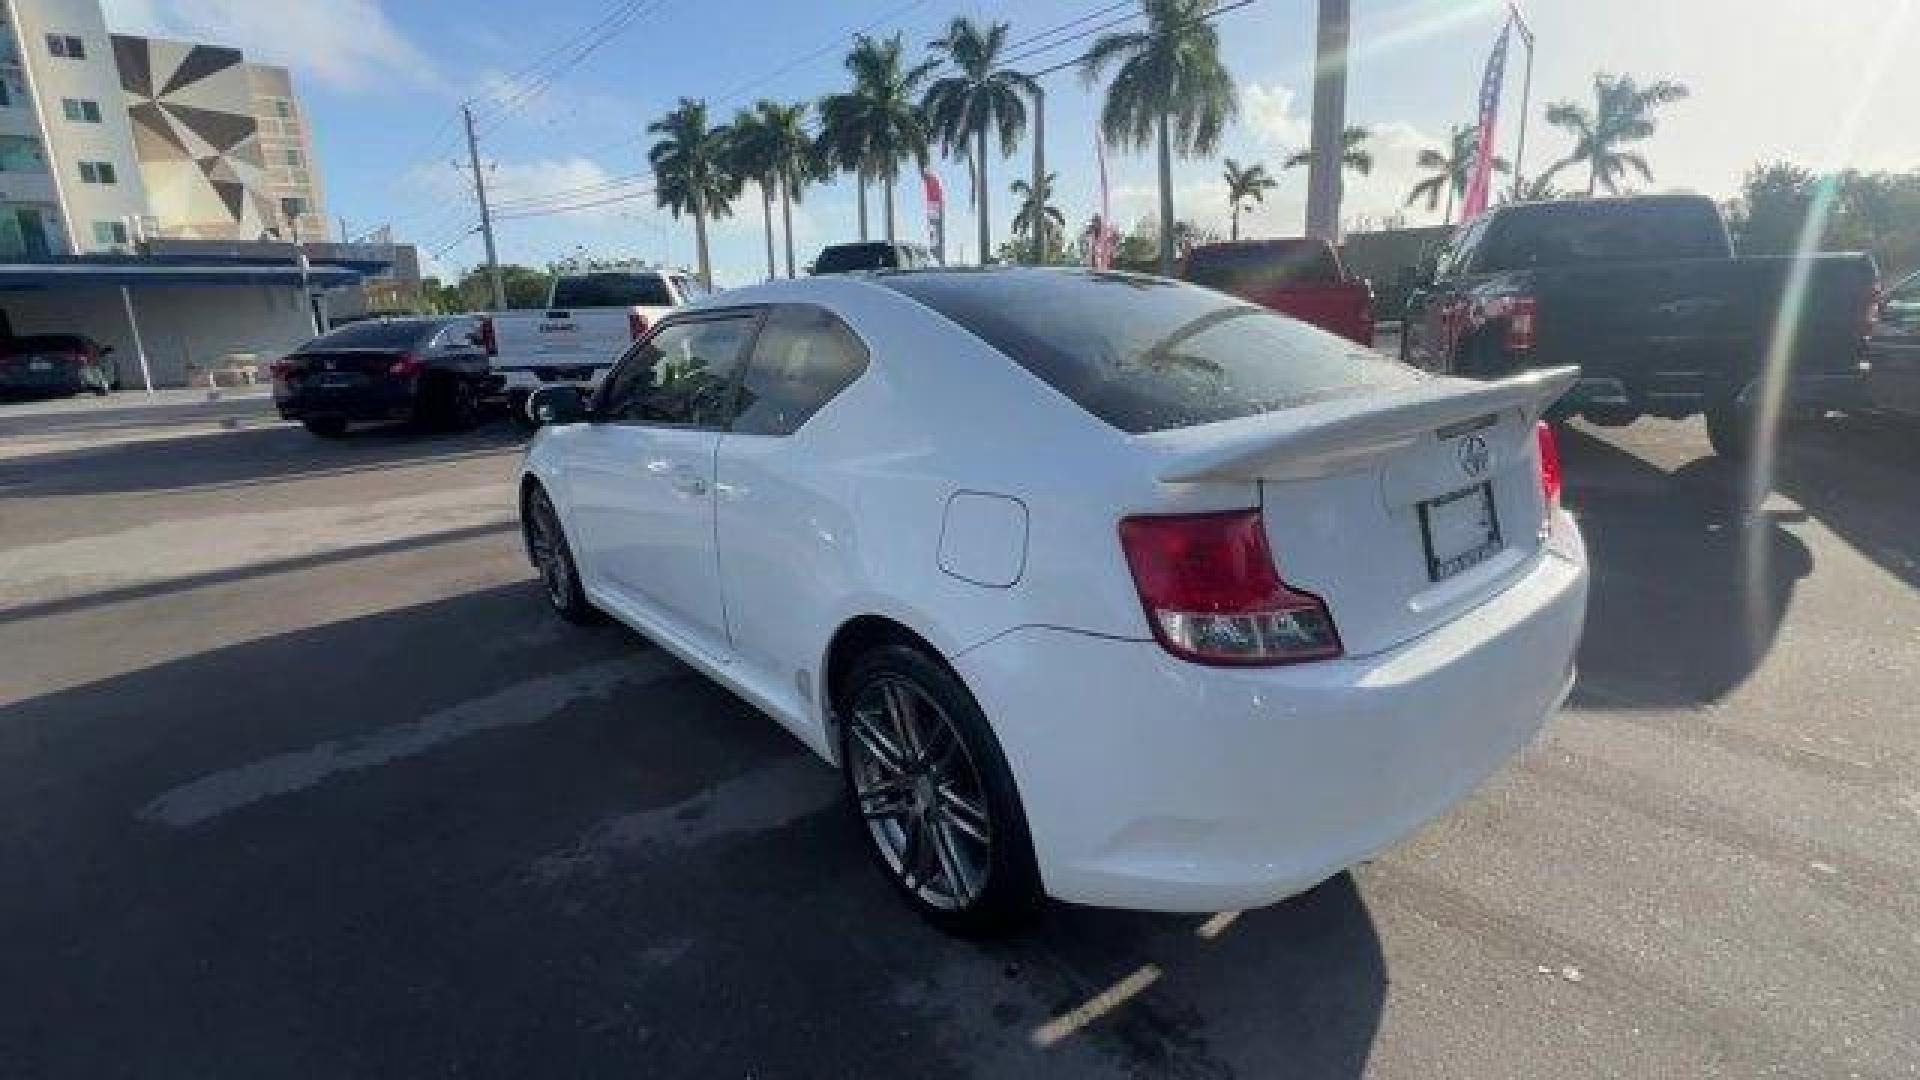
(427, 371)
(49, 364)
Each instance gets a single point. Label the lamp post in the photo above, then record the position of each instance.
(306, 270)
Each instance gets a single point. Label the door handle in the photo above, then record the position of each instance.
(689, 485)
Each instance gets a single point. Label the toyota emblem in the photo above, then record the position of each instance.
(1474, 456)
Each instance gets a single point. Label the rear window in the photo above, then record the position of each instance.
(611, 290)
(44, 343)
(376, 334)
(1246, 268)
(1611, 230)
(1147, 354)
(844, 258)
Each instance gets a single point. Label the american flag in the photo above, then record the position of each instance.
(936, 215)
(1480, 180)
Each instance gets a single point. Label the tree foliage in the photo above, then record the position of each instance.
(1875, 212)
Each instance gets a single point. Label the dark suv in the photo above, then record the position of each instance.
(875, 255)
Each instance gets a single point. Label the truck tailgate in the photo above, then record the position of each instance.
(1704, 318)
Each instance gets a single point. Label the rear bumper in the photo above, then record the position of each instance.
(364, 405)
(1680, 394)
(533, 377)
(1152, 783)
(26, 383)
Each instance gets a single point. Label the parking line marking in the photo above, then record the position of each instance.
(284, 774)
(1053, 1031)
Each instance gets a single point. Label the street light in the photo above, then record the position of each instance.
(306, 270)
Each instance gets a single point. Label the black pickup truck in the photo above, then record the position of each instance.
(1645, 295)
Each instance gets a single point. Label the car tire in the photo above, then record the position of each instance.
(100, 389)
(523, 421)
(462, 406)
(326, 427)
(936, 799)
(552, 556)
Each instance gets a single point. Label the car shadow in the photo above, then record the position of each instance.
(461, 837)
(1688, 589)
(1858, 477)
(248, 456)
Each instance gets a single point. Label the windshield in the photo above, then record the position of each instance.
(377, 334)
(1619, 231)
(1146, 354)
(843, 258)
(1248, 268)
(611, 290)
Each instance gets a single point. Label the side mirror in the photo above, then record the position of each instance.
(557, 405)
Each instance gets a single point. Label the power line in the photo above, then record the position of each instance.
(602, 186)
(576, 207)
(1097, 13)
(583, 45)
(1082, 58)
(816, 54)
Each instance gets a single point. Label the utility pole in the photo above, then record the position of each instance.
(486, 218)
(1526, 95)
(306, 270)
(1329, 120)
(1039, 175)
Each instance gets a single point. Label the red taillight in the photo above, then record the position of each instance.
(637, 324)
(1871, 313)
(1550, 481)
(283, 369)
(1213, 595)
(487, 339)
(408, 365)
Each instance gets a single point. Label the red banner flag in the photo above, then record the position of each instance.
(1480, 178)
(936, 216)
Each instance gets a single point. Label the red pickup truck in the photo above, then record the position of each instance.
(1296, 276)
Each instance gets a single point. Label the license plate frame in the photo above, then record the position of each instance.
(1453, 513)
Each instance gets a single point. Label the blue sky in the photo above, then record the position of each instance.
(1819, 83)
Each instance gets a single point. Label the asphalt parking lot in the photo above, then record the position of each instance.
(299, 778)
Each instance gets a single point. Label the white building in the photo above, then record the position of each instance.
(70, 182)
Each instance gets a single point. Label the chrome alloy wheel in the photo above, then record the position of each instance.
(920, 793)
(549, 553)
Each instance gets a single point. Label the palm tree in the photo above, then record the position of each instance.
(876, 125)
(790, 150)
(1622, 113)
(1353, 152)
(1051, 220)
(982, 98)
(1169, 86)
(1450, 169)
(1250, 184)
(749, 157)
(690, 173)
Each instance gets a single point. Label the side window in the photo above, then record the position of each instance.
(682, 376)
(804, 357)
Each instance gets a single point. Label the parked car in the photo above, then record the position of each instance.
(430, 371)
(588, 321)
(1893, 351)
(48, 364)
(1299, 276)
(874, 255)
(1094, 585)
(1646, 297)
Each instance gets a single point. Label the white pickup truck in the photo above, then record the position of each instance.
(588, 323)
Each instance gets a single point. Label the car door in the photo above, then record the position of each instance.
(1894, 350)
(640, 477)
(456, 349)
(785, 533)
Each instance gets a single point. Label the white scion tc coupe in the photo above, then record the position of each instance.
(1093, 585)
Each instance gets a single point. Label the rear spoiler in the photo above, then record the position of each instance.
(1315, 440)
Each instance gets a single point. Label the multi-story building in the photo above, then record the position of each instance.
(108, 139)
(69, 180)
(286, 144)
(221, 143)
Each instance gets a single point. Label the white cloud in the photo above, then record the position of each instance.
(343, 44)
(1268, 112)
